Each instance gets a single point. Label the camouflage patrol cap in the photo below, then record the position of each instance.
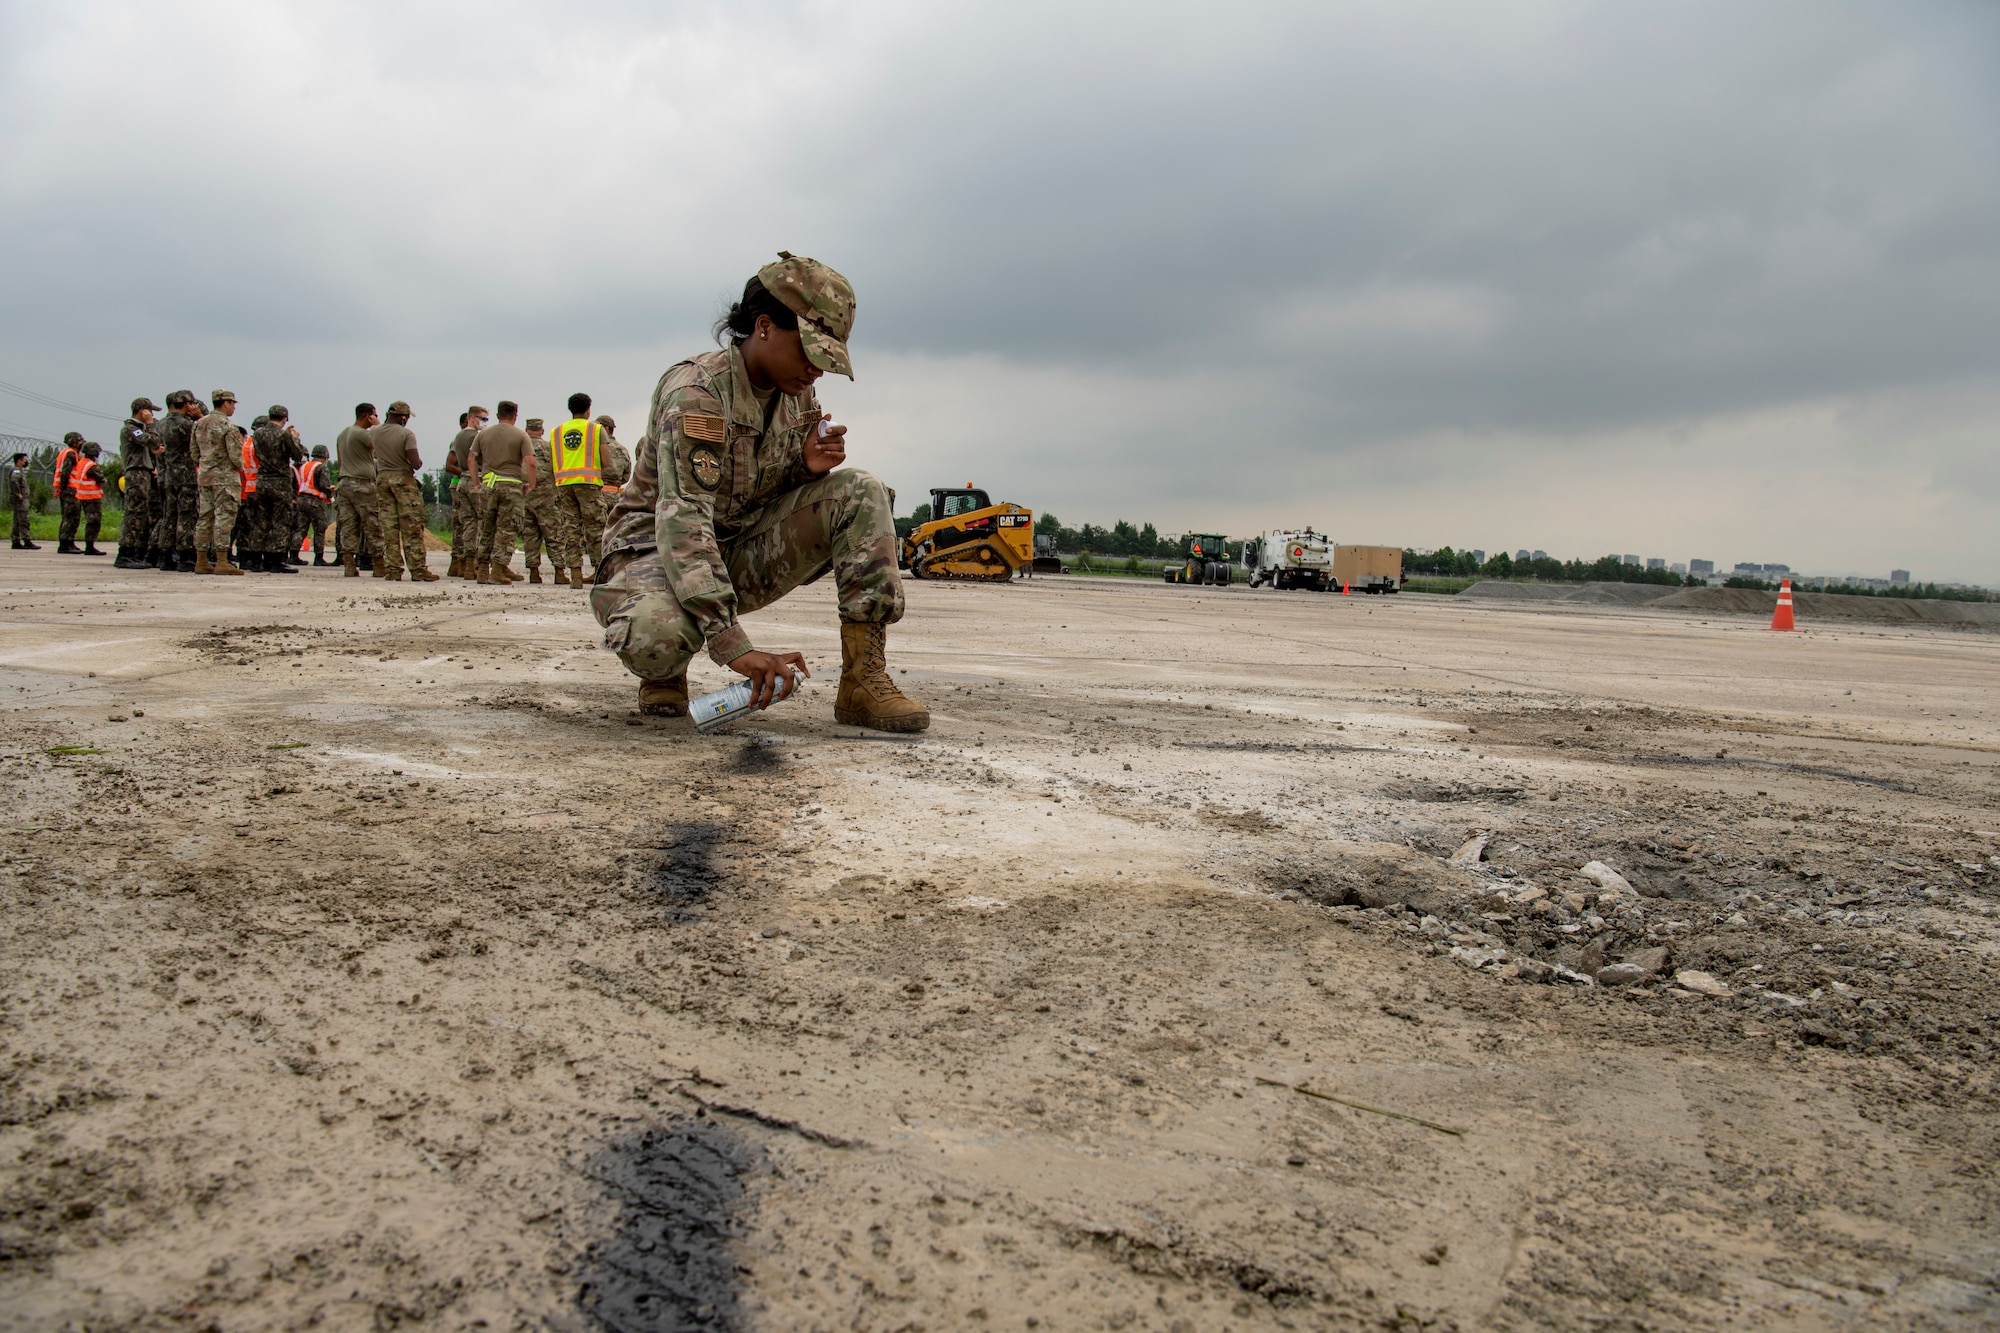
(319, 451)
(259, 421)
(824, 303)
(181, 398)
(145, 405)
(73, 437)
(92, 448)
(399, 408)
(534, 423)
(607, 423)
(221, 396)
(279, 412)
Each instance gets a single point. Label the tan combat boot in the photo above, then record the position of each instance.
(201, 565)
(535, 572)
(664, 698)
(423, 574)
(348, 569)
(484, 575)
(219, 564)
(394, 576)
(867, 697)
(502, 574)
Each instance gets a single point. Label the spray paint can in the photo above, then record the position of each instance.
(727, 705)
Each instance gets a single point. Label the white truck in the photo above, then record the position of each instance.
(1300, 559)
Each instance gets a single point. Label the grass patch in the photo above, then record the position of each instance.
(73, 749)
(1446, 586)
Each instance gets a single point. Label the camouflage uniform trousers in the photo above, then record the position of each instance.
(176, 506)
(135, 533)
(840, 522)
(21, 519)
(72, 514)
(466, 504)
(400, 504)
(541, 527)
(93, 520)
(357, 524)
(500, 521)
(310, 519)
(215, 513)
(268, 522)
(580, 516)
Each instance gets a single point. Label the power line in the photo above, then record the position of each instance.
(43, 400)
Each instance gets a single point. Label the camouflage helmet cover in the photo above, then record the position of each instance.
(319, 451)
(824, 303)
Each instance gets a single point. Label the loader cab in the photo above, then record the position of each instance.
(947, 505)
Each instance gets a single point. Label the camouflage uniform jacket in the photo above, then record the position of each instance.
(135, 445)
(177, 435)
(545, 470)
(616, 463)
(17, 485)
(217, 447)
(278, 448)
(707, 463)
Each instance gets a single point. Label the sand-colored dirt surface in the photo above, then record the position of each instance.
(369, 963)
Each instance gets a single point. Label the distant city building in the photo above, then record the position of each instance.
(1653, 562)
(1479, 557)
(1678, 568)
(1749, 570)
(1776, 571)
(1521, 554)
(1701, 568)
(1628, 559)
(1541, 555)
(1899, 576)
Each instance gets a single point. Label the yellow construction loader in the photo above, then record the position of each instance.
(969, 537)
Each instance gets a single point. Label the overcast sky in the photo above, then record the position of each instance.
(1681, 280)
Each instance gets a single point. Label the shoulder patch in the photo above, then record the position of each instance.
(701, 426)
(706, 466)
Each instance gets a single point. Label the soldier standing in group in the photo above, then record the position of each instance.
(277, 450)
(219, 449)
(309, 510)
(138, 449)
(539, 525)
(357, 525)
(467, 496)
(399, 499)
(506, 466)
(67, 459)
(86, 486)
(735, 500)
(176, 500)
(578, 452)
(17, 501)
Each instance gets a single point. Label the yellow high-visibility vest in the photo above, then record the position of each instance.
(577, 450)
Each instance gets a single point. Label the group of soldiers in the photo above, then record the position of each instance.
(204, 495)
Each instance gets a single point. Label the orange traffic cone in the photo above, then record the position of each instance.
(1347, 590)
(1782, 617)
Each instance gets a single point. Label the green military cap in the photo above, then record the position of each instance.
(260, 421)
(399, 408)
(221, 396)
(319, 451)
(145, 405)
(180, 398)
(824, 303)
(279, 412)
(91, 448)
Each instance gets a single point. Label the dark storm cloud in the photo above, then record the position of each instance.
(1333, 231)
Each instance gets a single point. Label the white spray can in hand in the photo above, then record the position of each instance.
(727, 705)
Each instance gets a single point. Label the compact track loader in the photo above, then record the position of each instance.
(969, 537)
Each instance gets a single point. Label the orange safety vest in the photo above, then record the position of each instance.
(309, 474)
(64, 461)
(82, 485)
(575, 449)
(249, 466)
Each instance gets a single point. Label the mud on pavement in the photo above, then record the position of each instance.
(1217, 960)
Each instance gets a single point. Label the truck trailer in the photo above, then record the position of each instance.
(1374, 569)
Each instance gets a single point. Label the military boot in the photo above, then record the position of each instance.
(90, 548)
(320, 559)
(201, 565)
(502, 574)
(423, 574)
(393, 575)
(457, 563)
(275, 563)
(67, 548)
(484, 574)
(535, 572)
(218, 563)
(664, 698)
(867, 697)
(185, 562)
(163, 560)
(348, 569)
